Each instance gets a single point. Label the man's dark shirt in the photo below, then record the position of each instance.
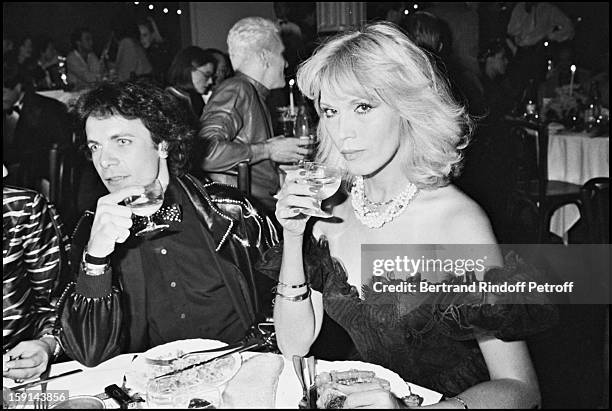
(105, 315)
(186, 297)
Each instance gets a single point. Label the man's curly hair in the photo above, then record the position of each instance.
(160, 113)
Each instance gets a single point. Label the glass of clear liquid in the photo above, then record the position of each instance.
(183, 390)
(146, 204)
(325, 179)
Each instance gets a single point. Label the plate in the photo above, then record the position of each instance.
(399, 387)
(220, 371)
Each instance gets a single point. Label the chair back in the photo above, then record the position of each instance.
(238, 176)
(595, 195)
(529, 151)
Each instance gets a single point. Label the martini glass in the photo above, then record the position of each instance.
(325, 179)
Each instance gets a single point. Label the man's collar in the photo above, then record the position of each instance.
(172, 194)
(261, 89)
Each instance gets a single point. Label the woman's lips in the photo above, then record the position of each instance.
(351, 155)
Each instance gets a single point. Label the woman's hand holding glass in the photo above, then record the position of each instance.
(302, 194)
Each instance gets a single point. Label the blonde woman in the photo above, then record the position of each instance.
(388, 121)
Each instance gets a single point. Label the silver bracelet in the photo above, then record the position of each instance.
(281, 284)
(460, 400)
(94, 269)
(295, 298)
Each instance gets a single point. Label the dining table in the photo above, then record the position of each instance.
(575, 157)
(93, 380)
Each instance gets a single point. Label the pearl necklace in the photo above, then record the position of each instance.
(375, 219)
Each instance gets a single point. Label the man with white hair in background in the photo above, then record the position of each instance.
(236, 125)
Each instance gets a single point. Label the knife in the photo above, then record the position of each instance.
(312, 390)
(239, 349)
(44, 380)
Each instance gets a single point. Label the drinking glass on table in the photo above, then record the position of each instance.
(183, 390)
(325, 179)
(146, 204)
(287, 121)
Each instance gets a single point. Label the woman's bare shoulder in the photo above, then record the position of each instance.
(463, 219)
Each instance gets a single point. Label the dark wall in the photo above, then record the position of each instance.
(58, 19)
(592, 32)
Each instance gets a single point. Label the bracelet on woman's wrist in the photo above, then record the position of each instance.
(281, 284)
(295, 298)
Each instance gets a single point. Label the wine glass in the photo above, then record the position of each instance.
(146, 204)
(187, 389)
(325, 179)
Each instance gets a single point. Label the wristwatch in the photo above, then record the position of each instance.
(94, 265)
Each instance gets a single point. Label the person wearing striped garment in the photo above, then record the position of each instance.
(31, 264)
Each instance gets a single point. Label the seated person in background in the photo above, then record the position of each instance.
(32, 253)
(236, 124)
(156, 48)
(499, 98)
(32, 124)
(49, 62)
(131, 61)
(224, 67)
(485, 176)
(432, 34)
(26, 60)
(602, 78)
(389, 123)
(191, 76)
(194, 280)
(83, 67)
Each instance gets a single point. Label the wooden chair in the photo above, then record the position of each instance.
(595, 195)
(244, 177)
(57, 180)
(528, 144)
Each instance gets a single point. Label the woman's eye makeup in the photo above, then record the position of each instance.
(328, 112)
(363, 108)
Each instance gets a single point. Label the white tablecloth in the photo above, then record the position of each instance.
(93, 380)
(66, 97)
(575, 158)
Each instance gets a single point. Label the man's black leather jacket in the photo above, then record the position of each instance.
(97, 320)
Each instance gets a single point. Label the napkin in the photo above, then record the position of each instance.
(254, 386)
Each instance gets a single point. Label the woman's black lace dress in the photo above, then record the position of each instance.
(428, 341)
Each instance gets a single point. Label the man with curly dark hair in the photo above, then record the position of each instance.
(196, 279)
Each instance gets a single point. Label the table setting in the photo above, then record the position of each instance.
(575, 157)
(169, 376)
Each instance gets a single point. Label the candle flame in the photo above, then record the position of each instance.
(573, 68)
(291, 82)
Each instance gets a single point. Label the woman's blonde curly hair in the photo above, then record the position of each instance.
(380, 62)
